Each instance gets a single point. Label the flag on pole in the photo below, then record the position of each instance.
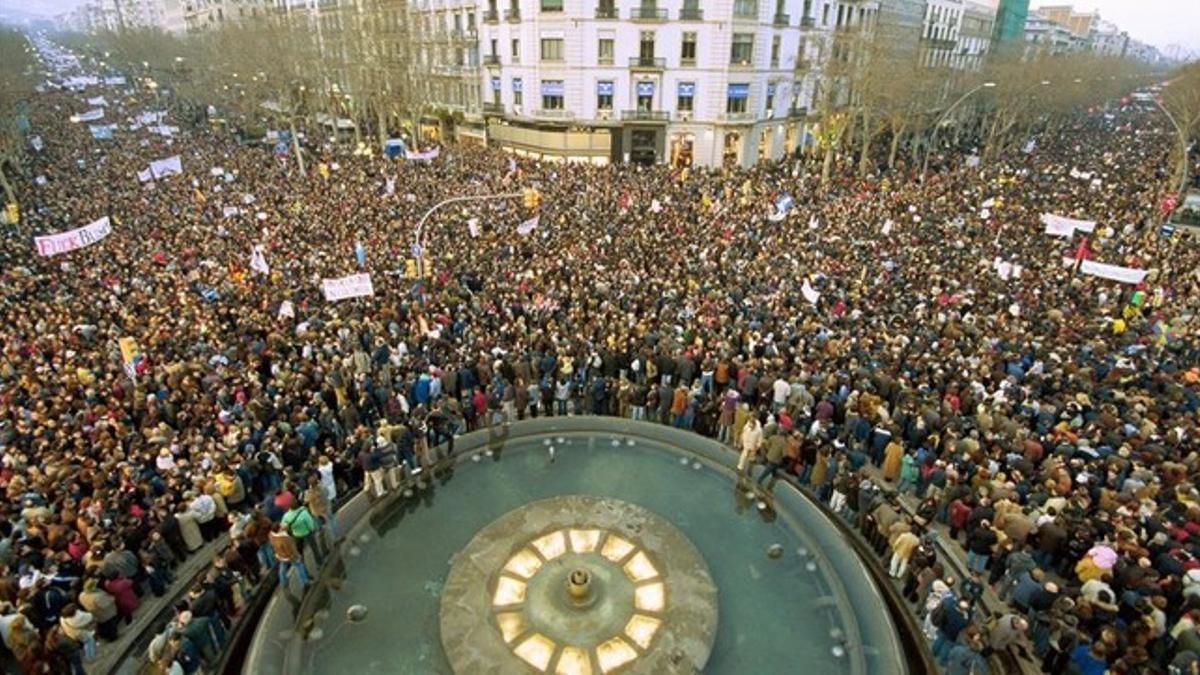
(258, 261)
(528, 226)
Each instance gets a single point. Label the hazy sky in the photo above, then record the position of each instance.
(1159, 22)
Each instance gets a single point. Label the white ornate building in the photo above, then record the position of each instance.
(680, 81)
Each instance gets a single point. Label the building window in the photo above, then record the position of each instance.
(735, 102)
(552, 95)
(646, 45)
(686, 101)
(775, 52)
(495, 49)
(604, 51)
(770, 98)
(517, 99)
(742, 52)
(496, 90)
(604, 95)
(552, 49)
(516, 51)
(645, 96)
(552, 5)
(746, 9)
(825, 15)
(687, 52)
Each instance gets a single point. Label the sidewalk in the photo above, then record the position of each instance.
(116, 657)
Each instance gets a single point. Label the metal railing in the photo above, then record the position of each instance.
(807, 22)
(491, 16)
(782, 19)
(655, 62)
(738, 117)
(512, 15)
(645, 115)
(491, 60)
(691, 14)
(648, 13)
(606, 12)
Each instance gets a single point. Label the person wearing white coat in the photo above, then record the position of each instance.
(752, 440)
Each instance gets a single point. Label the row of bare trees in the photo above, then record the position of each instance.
(878, 96)
(17, 80)
(289, 69)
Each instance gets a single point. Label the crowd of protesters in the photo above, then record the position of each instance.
(1044, 415)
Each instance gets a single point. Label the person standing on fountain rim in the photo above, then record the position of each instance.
(752, 440)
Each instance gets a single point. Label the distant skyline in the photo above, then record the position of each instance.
(1157, 22)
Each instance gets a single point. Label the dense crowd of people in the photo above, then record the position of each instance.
(1044, 415)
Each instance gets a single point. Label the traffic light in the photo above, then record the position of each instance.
(532, 198)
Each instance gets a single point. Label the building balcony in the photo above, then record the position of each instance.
(491, 16)
(606, 13)
(645, 116)
(691, 14)
(604, 61)
(738, 117)
(648, 13)
(808, 22)
(647, 63)
(512, 15)
(940, 43)
(553, 114)
(493, 108)
(804, 65)
(797, 113)
(782, 19)
(491, 60)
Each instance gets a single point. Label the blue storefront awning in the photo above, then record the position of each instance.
(739, 91)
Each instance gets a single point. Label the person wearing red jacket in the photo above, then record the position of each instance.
(121, 588)
(960, 511)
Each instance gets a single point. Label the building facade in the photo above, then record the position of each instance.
(975, 36)
(676, 81)
(940, 32)
(1011, 16)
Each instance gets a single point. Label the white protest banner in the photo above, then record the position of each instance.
(216, 171)
(102, 132)
(89, 116)
(353, 286)
(423, 156)
(391, 186)
(170, 166)
(36, 142)
(63, 242)
(115, 81)
(287, 309)
(887, 226)
(1059, 226)
(230, 211)
(148, 118)
(473, 227)
(247, 198)
(810, 293)
(528, 226)
(1125, 275)
(777, 216)
(258, 261)
(40, 180)
(145, 176)
(98, 101)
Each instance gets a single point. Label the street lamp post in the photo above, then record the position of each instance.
(945, 115)
(419, 235)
